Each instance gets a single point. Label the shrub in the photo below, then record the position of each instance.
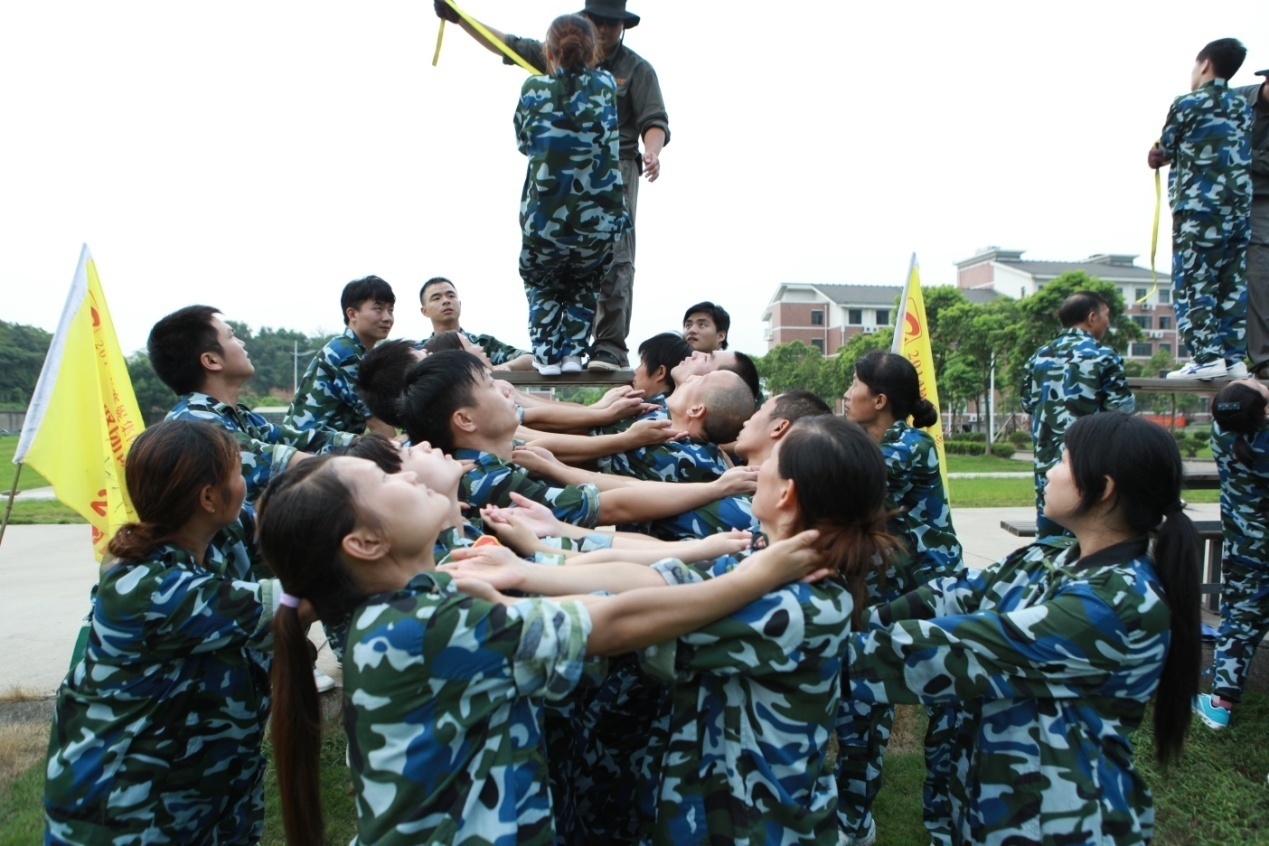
(1021, 439)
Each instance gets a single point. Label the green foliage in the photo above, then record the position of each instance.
(1021, 439)
(22, 352)
(796, 365)
(154, 399)
(1037, 322)
(961, 446)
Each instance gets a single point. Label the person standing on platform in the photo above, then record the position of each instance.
(641, 116)
(1206, 139)
(1257, 97)
(1070, 377)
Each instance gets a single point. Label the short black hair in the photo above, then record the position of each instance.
(358, 291)
(177, 343)
(795, 404)
(893, 375)
(381, 376)
(1226, 56)
(435, 280)
(434, 389)
(444, 341)
(729, 406)
(1076, 308)
(664, 350)
(747, 370)
(373, 447)
(718, 314)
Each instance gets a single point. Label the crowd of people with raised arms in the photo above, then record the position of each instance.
(643, 620)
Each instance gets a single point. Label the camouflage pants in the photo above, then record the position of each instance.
(616, 294)
(1258, 284)
(1209, 263)
(1244, 623)
(863, 732)
(562, 285)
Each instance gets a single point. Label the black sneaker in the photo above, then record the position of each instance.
(603, 361)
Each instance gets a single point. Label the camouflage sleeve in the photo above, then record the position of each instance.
(1115, 386)
(1027, 394)
(177, 612)
(1173, 129)
(328, 399)
(576, 504)
(948, 596)
(1064, 648)
(551, 654)
(732, 512)
(498, 352)
(766, 637)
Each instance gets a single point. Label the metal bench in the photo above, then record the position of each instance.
(1210, 535)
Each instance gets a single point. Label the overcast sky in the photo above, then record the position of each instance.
(256, 156)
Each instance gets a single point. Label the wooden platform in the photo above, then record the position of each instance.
(585, 379)
(1178, 386)
(1210, 536)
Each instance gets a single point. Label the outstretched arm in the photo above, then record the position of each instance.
(444, 12)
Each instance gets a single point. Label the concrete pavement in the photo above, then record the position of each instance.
(47, 573)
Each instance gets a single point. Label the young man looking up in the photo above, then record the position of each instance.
(194, 352)
(326, 397)
(439, 303)
(452, 401)
(705, 327)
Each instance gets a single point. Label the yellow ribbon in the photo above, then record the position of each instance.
(440, 36)
(1154, 234)
(490, 37)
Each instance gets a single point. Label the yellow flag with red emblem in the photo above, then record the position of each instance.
(912, 341)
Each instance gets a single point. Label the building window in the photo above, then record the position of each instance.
(1141, 349)
(1142, 320)
(1165, 322)
(818, 343)
(855, 316)
(1165, 296)
(883, 317)
(1140, 294)
(1167, 348)
(817, 317)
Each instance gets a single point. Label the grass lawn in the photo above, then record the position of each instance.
(985, 464)
(41, 511)
(29, 478)
(1215, 795)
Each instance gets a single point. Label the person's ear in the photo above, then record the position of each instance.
(881, 401)
(211, 362)
(364, 545)
(782, 425)
(208, 500)
(349, 314)
(787, 499)
(463, 421)
(660, 375)
(1108, 494)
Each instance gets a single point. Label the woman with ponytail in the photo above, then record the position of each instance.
(1051, 661)
(884, 395)
(443, 692)
(157, 730)
(738, 754)
(1240, 444)
(572, 212)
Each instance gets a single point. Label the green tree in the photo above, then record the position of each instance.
(1038, 323)
(794, 365)
(22, 353)
(154, 399)
(982, 335)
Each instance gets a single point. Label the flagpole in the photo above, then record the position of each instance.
(896, 343)
(4, 524)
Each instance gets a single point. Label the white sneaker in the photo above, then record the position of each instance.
(323, 681)
(547, 369)
(573, 364)
(1194, 370)
(844, 839)
(1237, 370)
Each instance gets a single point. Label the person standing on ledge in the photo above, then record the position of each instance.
(640, 115)
(1257, 97)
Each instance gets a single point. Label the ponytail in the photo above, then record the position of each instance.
(297, 730)
(1176, 545)
(570, 44)
(856, 551)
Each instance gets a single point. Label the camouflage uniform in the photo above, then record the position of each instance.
(914, 488)
(157, 730)
(1207, 138)
(1072, 376)
(741, 757)
(492, 481)
(266, 447)
(442, 707)
(1244, 560)
(686, 460)
(572, 211)
(722, 515)
(640, 107)
(658, 413)
(497, 351)
(1051, 660)
(327, 397)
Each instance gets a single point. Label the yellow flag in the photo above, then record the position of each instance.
(912, 341)
(83, 415)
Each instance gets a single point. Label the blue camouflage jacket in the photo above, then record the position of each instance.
(327, 396)
(1207, 138)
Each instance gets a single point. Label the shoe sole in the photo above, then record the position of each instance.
(603, 365)
(1209, 722)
